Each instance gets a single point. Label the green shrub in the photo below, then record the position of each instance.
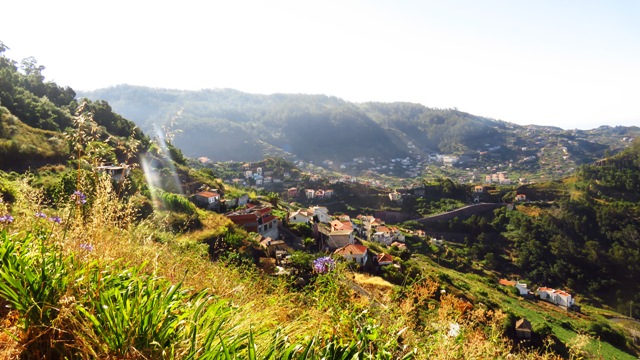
(129, 310)
(34, 277)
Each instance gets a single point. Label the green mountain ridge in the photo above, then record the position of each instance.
(227, 124)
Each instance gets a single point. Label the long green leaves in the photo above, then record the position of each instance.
(33, 277)
(112, 310)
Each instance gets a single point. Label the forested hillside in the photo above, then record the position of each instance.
(35, 115)
(226, 124)
(580, 233)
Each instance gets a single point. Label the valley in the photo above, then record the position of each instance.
(153, 223)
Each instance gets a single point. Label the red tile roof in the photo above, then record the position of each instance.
(353, 249)
(562, 293)
(263, 211)
(208, 194)
(385, 258)
(268, 219)
(506, 282)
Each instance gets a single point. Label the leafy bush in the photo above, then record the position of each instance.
(34, 277)
(175, 202)
(606, 333)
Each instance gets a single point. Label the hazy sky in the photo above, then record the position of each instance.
(573, 64)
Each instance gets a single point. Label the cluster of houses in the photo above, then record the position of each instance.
(213, 200)
(259, 176)
(310, 194)
(338, 234)
(257, 219)
(333, 234)
(558, 297)
(554, 296)
(498, 178)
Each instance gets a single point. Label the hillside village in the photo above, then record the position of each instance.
(364, 241)
(533, 158)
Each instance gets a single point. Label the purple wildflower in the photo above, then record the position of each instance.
(55, 219)
(79, 197)
(6, 219)
(41, 215)
(86, 247)
(323, 265)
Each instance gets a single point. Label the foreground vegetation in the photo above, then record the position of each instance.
(96, 268)
(82, 279)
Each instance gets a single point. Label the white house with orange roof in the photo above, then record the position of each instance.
(310, 193)
(300, 216)
(399, 245)
(558, 297)
(208, 199)
(336, 234)
(384, 259)
(340, 225)
(354, 252)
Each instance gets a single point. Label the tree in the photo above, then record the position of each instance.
(273, 198)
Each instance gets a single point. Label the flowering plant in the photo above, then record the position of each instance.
(79, 197)
(323, 265)
(6, 219)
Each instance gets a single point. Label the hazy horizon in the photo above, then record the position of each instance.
(570, 65)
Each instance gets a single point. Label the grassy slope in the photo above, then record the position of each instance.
(21, 145)
(328, 314)
(110, 280)
(480, 289)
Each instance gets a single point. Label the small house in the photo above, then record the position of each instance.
(256, 219)
(384, 259)
(522, 289)
(558, 297)
(208, 199)
(436, 242)
(354, 252)
(273, 247)
(523, 329)
(300, 216)
(321, 212)
(521, 197)
(310, 193)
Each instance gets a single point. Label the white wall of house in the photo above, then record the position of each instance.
(322, 213)
(358, 258)
(297, 218)
(522, 288)
(269, 229)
